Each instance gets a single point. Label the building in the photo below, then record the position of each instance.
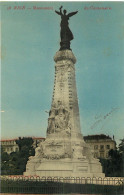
(9, 145)
(101, 144)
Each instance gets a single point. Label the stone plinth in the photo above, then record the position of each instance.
(64, 152)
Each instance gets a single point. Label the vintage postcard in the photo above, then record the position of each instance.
(62, 90)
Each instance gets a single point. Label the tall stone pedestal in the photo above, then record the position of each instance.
(64, 152)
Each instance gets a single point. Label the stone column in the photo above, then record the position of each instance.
(65, 87)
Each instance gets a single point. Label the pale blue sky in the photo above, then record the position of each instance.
(30, 39)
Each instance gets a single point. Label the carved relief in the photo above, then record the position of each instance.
(56, 150)
(35, 160)
(39, 151)
(30, 166)
(78, 152)
(59, 119)
(88, 152)
(53, 149)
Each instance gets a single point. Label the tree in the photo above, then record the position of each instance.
(114, 166)
(121, 152)
(4, 161)
(15, 162)
(121, 147)
(25, 150)
(114, 163)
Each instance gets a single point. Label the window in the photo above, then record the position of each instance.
(102, 155)
(101, 147)
(96, 155)
(108, 147)
(107, 155)
(96, 147)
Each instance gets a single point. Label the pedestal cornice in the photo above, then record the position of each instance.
(65, 55)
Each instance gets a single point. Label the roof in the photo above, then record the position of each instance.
(14, 139)
(97, 137)
(5, 140)
(38, 138)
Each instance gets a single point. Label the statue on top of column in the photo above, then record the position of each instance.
(65, 33)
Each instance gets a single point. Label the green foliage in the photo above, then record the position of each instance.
(15, 162)
(114, 166)
(5, 157)
(24, 142)
(121, 151)
(121, 146)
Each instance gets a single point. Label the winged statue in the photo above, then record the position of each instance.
(65, 33)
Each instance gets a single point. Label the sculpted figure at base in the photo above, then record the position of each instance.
(78, 152)
(39, 151)
(34, 161)
(59, 119)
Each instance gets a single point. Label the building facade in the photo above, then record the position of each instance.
(9, 145)
(100, 145)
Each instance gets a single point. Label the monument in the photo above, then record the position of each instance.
(64, 152)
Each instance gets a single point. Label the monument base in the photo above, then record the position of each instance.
(64, 157)
(66, 168)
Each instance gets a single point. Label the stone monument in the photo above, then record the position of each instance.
(64, 152)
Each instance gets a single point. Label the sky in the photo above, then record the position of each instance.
(29, 40)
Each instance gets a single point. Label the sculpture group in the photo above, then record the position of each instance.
(58, 121)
